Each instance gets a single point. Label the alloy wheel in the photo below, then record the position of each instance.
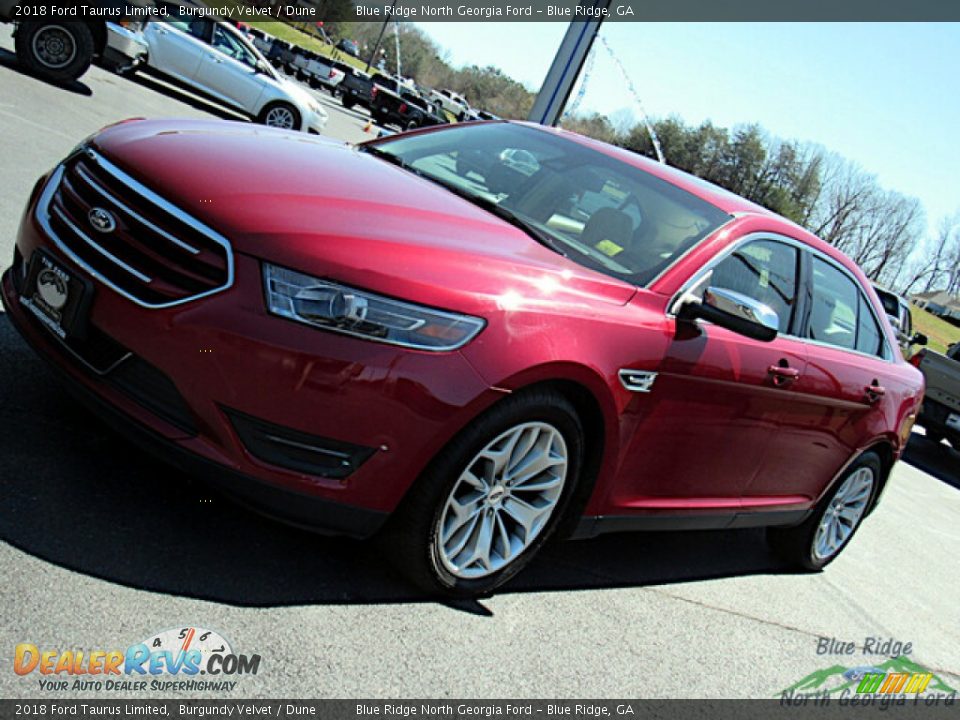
(280, 117)
(842, 515)
(502, 501)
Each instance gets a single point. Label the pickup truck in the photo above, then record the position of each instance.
(940, 413)
(358, 88)
(281, 55)
(62, 51)
(404, 108)
(317, 70)
(450, 101)
(898, 313)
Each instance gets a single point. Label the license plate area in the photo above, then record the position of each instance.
(953, 421)
(56, 296)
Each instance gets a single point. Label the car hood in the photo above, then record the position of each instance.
(325, 208)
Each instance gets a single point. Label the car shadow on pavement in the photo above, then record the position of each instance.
(174, 92)
(9, 61)
(937, 459)
(77, 495)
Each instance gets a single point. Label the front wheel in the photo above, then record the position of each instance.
(491, 499)
(280, 115)
(57, 51)
(816, 542)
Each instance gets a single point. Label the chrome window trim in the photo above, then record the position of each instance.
(801, 247)
(42, 215)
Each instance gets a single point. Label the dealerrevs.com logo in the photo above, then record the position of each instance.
(166, 661)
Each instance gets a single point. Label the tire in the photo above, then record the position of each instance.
(411, 125)
(800, 546)
(348, 101)
(273, 113)
(57, 51)
(454, 565)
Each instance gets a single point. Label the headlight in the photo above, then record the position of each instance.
(347, 310)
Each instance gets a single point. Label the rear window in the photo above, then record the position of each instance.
(599, 211)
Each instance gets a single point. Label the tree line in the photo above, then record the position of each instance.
(834, 198)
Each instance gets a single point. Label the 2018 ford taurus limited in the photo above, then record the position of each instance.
(468, 339)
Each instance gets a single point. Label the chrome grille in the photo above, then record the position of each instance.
(154, 254)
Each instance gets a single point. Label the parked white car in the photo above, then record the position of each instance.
(450, 101)
(219, 61)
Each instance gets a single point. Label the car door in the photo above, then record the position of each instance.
(719, 398)
(839, 396)
(228, 71)
(177, 46)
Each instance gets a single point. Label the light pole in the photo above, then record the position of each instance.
(383, 29)
(563, 73)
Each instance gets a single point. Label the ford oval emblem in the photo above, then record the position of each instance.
(102, 220)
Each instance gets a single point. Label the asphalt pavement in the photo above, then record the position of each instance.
(103, 546)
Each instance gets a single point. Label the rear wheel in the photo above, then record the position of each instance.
(819, 540)
(348, 101)
(56, 51)
(280, 115)
(491, 499)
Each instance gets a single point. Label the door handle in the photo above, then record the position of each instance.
(782, 375)
(874, 392)
(215, 58)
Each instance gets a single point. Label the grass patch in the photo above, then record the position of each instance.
(305, 40)
(939, 332)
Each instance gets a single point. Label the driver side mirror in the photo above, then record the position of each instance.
(729, 309)
(918, 339)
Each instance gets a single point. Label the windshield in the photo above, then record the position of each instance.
(598, 211)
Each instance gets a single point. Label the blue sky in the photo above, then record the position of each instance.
(882, 94)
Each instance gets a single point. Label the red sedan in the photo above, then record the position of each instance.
(467, 339)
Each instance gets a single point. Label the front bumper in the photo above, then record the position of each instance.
(226, 357)
(315, 122)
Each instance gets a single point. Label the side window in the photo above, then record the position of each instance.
(229, 45)
(868, 332)
(907, 323)
(833, 317)
(765, 270)
(841, 314)
(200, 29)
